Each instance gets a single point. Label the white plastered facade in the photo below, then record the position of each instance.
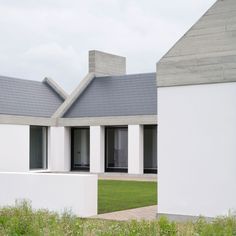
(59, 149)
(196, 149)
(14, 146)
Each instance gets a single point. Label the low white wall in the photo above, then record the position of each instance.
(135, 149)
(55, 192)
(197, 149)
(14, 147)
(97, 149)
(59, 158)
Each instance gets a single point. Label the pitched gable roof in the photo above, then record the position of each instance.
(206, 53)
(126, 95)
(21, 97)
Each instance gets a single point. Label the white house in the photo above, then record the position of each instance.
(26, 130)
(109, 123)
(111, 118)
(196, 83)
(26, 108)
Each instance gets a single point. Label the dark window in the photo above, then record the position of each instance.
(38, 147)
(80, 153)
(150, 149)
(116, 149)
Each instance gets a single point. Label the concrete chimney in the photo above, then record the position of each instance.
(101, 63)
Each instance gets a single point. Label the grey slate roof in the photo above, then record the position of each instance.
(126, 95)
(27, 98)
(206, 53)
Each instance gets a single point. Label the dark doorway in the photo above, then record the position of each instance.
(38, 147)
(150, 148)
(80, 153)
(116, 147)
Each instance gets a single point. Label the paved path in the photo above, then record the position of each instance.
(125, 176)
(143, 213)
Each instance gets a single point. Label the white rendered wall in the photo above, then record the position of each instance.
(59, 157)
(97, 146)
(135, 149)
(197, 149)
(55, 192)
(14, 148)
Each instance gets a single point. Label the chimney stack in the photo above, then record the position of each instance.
(101, 63)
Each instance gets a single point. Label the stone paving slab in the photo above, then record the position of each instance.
(143, 213)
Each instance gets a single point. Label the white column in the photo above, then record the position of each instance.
(97, 152)
(59, 157)
(135, 149)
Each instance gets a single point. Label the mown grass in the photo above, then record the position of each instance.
(22, 220)
(116, 195)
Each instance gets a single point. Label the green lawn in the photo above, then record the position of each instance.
(115, 195)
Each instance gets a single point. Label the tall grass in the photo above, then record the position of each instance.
(23, 220)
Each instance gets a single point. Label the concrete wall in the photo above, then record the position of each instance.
(206, 53)
(14, 147)
(102, 63)
(197, 149)
(59, 157)
(55, 192)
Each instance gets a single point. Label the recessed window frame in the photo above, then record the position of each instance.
(114, 169)
(145, 169)
(44, 148)
(73, 168)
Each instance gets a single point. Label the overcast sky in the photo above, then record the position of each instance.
(52, 37)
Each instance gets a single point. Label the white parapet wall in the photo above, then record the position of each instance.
(55, 192)
(197, 149)
(14, 147)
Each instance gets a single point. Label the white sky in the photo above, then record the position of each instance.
(52, 37)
